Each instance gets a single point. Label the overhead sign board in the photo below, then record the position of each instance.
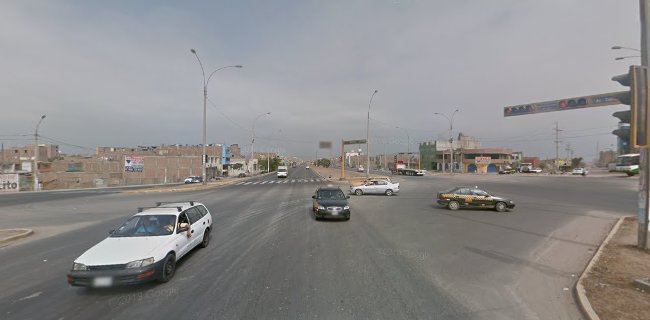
(362, 141)
(597, 100)
(325, 145)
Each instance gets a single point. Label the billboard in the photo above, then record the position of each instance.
(9, 182)
(133, 164)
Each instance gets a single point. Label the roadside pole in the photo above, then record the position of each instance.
(342, 159)
(644, 176)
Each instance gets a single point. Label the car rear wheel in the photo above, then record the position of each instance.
(168, 269)
(389, 192)
(358, 192)
(206, 238)
(453, 205)
(500, 207)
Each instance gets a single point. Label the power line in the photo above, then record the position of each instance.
(226, 116)
(65, 143)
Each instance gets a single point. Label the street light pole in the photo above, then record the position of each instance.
(451, 139)
(368, 135)
(36, 188)
(253, 140)
(205, 108)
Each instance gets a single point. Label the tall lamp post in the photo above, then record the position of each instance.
(253, 140)
(205, 102)
(368, 136)
(36, 188)
(408, 147)
(451, 139)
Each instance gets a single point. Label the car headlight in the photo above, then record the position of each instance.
(139, 263)
(79, 267)
(321, 208)
(346, 208)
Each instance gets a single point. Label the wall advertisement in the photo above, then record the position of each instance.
(9, 182)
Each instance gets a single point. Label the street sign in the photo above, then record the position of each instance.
(363, 141)
(597, 100)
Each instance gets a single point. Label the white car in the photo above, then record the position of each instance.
(580, 171)
(144, 248)
(535, 170)
(375, 186)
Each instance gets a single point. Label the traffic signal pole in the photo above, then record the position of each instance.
(644, 163)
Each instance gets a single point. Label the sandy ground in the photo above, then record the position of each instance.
(610, 286)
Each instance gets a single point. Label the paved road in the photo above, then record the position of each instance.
(399, 257)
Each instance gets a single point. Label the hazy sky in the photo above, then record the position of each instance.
(120, 73)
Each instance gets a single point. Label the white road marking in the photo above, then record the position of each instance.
(31, 296)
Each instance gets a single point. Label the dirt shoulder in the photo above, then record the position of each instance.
(610, 283)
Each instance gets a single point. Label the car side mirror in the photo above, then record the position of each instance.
(182, 229)
(313, 197)
(111, 231)
(347, 197)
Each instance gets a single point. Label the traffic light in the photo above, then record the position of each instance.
(637, 99)
(395, 159)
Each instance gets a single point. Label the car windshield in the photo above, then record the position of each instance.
(146, 225)
(331, 195)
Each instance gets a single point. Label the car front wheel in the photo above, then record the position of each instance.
(206, 238)
(169, 268)
(358, 192)
(453, 205)
(500, 207)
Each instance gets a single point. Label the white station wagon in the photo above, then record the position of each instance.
(375, 186)
(145, 247)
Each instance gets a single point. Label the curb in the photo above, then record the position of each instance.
(24, 234)
(581, 294)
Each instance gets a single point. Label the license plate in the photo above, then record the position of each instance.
(335, 213)
(102, 282)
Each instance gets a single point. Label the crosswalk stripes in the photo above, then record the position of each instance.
(283, 181)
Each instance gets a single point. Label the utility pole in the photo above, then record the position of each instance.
(644, 163)
(557, 147)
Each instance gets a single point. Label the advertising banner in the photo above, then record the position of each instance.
(133, 164)
(9, 182)
(482, 160)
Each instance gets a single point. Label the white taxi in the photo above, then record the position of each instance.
(145, 247)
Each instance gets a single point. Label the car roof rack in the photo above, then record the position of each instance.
(140, 209)
(159, 203)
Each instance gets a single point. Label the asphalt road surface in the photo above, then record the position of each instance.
(399, 257)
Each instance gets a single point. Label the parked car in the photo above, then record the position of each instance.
(241, 175)
(507, 171)
(580, 171)
(458, 197)
(535, 170)
(375, 186)
(144, 248)
(330, 202)
(193, 179)
(360, 169)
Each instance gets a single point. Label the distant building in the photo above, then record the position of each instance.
(435, 155)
